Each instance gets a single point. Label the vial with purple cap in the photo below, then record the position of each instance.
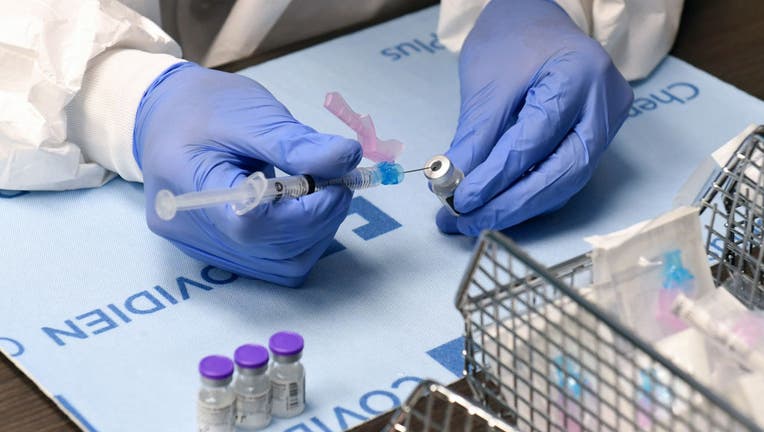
(215, 404)
(287, 374)
(252, 387)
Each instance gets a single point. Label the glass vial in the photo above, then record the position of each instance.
(252, 387)
(444, 177)
(287, 374)
(215, 404)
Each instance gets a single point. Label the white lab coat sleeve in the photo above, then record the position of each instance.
(73, 74)
(636, 33)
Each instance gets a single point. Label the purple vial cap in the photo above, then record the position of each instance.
(286, 343)
(251, 356)
(216, 367)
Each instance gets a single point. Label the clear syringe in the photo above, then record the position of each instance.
(257, 189)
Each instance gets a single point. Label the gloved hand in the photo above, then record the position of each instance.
(541, 101)
(198, 129)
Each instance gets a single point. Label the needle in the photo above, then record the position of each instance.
(415, 170)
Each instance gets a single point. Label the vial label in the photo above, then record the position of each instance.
(288, 397)
(212, 418)
(248, 406)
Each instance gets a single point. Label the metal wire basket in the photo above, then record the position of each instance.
(732, 209)
(540, 353)
(432, 407)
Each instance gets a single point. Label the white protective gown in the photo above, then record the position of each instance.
(74, 71)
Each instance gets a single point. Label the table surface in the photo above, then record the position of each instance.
(722, 37)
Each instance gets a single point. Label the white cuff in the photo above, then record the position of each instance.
(578, 11)
(637, 34)
(457, 17)
(101, 117)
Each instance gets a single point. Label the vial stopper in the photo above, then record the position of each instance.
(251, 356)
(439, 169)
(286, 343)
(216, 367)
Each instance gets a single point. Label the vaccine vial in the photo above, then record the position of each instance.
(444, 177)
(287, 374)
(252, 387)
(215, 404)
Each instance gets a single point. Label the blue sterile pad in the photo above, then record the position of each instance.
(111, 320)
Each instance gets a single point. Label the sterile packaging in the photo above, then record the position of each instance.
(659, 395)
(648, 265)
(574, 393)
(748, 394)
(735, 340)
(551, 370)
(640, 394)
(735, 333)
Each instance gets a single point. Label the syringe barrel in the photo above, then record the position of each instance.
(359, 178)
(288, 187)
(273, 189)
(362, 178)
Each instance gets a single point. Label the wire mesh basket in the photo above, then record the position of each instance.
(732, 210)
(432, 407)
(540, 353)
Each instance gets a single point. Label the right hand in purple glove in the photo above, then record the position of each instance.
(541, 101)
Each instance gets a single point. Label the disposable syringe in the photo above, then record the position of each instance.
(257, 189)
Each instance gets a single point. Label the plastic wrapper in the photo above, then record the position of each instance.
(647, 266)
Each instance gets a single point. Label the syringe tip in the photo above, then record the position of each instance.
(164, 205)
(391, 173)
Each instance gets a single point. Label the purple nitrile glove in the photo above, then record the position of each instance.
(541, 101)
(199, 129)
